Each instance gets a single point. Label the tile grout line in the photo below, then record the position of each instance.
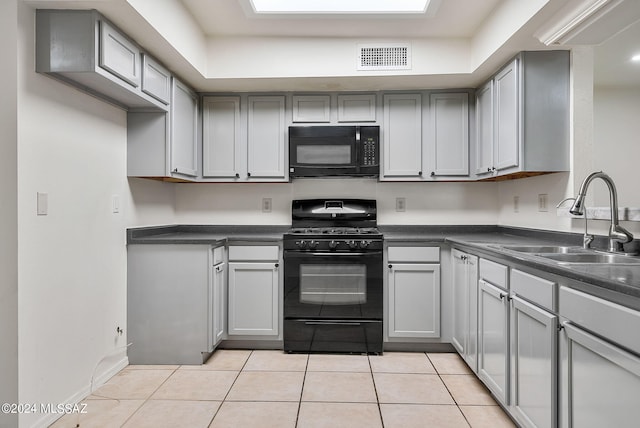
(231, 387)
(375, 389)
(448, 390)
(304, 378)
(146, 400)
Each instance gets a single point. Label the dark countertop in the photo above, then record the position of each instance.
(484, 240)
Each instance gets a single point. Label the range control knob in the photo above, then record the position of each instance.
(302, 244)
(352, 244)
(364, 244)
(313, 244)
(333, 245)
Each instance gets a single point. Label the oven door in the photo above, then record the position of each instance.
(336, 286)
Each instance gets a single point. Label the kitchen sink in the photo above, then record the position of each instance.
(593, 258)
(547, 249)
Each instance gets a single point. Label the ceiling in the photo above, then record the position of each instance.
(452, 19)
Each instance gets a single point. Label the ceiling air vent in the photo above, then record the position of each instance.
(384, 57)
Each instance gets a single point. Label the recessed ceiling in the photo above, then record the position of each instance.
(613, 64)
(452, 19)
(340, 6)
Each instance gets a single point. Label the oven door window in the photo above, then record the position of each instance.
(333, 284)
(323, 154)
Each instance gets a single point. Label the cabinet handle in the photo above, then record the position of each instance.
(502, 296)
(277, 265)
(433, 174)
(248, 174)
(390, 266)
(463, 257)
(175, 169)
(420, 173)
(488, 169)
(237, 175)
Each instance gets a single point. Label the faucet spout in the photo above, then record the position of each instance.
(618, 235)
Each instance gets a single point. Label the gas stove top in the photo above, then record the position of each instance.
(334, 231)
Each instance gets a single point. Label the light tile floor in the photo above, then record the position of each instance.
(263, 389)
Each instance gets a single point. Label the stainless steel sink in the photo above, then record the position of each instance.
(545, 249)
(593, 258)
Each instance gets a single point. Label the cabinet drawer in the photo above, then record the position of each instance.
(534, 289)
(253, 252)
(218, 255)
(494, 273)
(614, 322)
(414, 254)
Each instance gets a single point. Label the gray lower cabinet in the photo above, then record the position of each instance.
(600, 363)
(534, 337)
(83, 48)
(254, 291)
(465, 306)
(165, 145)
(170, 304)
(533, 366)
(493, 329)
(218, 289)
(413, 298)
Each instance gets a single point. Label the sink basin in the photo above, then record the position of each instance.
(548, 249)
(594, 258)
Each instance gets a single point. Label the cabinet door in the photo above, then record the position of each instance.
(414, 300)
(218, 321)
(449, 135)
(600, 382)
(357, 108)
(253, 299)
(460, 302)
(184, 130)
(471, 352)
(507, 118)
(311, 108)
(156, 80)
(484, 129)
(402, 135)
(266, 140)
(220, 136)
(493, 339)
(119, 55)
(533, 370)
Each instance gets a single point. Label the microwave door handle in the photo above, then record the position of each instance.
(359, 150)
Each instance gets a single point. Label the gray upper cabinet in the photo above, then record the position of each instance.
(156, 80)
(266, 138)
(244, 138)
(448, 135)
(522, 117)
(221, 137)
(184, 130)
(165, 145)
(82, 48)
(402, 136)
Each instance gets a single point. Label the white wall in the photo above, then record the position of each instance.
(8, 212)
(71, 262)
(426, 203)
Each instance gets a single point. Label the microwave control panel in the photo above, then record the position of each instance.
(370, 135)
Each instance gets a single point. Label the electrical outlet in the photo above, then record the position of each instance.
(266, 205)
(543, 199)
(516, 204)
(401, 204)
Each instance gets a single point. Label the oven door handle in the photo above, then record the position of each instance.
(348, 323)
(303, 254)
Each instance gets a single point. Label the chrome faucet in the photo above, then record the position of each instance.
(618, 235)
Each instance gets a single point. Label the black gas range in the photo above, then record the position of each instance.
(333, 277)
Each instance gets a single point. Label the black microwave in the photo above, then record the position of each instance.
(334, 151)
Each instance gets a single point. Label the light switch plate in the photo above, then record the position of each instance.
(543, 200)
(401, 204)
(43, 204)
(266, 205)
(115, 204)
